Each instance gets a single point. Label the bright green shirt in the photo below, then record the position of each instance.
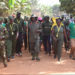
(72, 30)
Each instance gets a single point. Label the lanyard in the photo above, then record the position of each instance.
(58, 28)
(11, 26)
(18, 21)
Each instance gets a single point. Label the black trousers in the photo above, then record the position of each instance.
(25, 40)
(47, 44)
(19, 43)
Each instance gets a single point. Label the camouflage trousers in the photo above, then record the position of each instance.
(3, 55)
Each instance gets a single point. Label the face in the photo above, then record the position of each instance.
(32, 19)
(11, 21)
(58, 22)
(18, 15)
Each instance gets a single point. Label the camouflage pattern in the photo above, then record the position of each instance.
(3, 37)
(11, 41)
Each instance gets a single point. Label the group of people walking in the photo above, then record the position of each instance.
(34, 32)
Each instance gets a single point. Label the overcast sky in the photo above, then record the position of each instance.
(49, 2)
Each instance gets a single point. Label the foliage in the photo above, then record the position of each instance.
(46, 10)
(68, 6)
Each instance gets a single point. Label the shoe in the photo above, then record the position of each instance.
(59, 59)
(12, 57)
(8, 59)
(20, 54)
(17, 54)
(70, 56)
(33, 58)
(5, 65)
(54, 56)
(38, 59)
(73, 58)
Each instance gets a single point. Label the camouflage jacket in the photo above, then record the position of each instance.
(3, 35)
(12, 30)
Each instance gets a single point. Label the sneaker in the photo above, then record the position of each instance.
(20, 54)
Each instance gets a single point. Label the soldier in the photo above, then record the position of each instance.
(34, 38)
(25, 32)
(67, 29)
(11, 41)
(20, 23)
(46, 26)
(3, 37)
(58, 34)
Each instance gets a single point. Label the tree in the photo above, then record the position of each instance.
(56, 10)
(68, 6)
(46, 10)
(10, 6)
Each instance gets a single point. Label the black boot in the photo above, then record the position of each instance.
(33, 56)
(37, 58)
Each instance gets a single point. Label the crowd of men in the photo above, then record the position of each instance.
(52, 33)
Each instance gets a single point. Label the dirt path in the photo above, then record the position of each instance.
(46, 66)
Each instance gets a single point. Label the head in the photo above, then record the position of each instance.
(62, 17)
(67, 22)
(1, 20)
(58, 21)
(71, 17)
(47, 18)
(5, 20)
(39, 19)
(11, 20)
(18, 15)
(33, 18)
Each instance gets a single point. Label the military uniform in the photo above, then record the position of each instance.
(25, 33)
(3, 37)
(46, 26)
(20, 24)
(59, 41)
(11, 41)
(34, 39)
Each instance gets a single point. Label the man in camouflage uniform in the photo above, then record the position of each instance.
(11, 41)
(3, 36)
(34, 38)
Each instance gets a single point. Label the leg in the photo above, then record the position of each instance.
(59, 50)
(45, 43)
(49, 45)
(25, 40)
(32, 50)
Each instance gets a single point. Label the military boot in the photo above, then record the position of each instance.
(37, 58)
(33, 56)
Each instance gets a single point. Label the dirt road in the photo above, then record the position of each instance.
(47, 65)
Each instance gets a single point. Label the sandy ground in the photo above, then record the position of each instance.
(46, 66)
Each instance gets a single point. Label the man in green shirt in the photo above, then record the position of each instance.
(72, 37)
